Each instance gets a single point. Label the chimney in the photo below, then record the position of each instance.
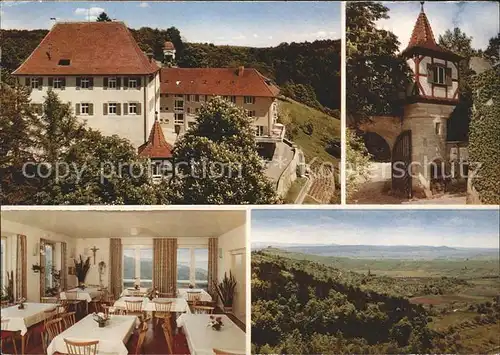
(240, 70)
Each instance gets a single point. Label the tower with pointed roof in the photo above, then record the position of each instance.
(430, 99)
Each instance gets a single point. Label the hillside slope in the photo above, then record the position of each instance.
(303, 307)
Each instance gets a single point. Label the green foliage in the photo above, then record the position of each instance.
(82, 268)
(484, 145)
(103, 17)
(302, 307)
(8, 290)
(218, 160)
(225, 289)
(301, 93)
(358, 161)
(376, 75)
(492, 52)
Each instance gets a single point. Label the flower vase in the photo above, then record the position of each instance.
(102, 324)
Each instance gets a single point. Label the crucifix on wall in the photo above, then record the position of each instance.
(94, 251)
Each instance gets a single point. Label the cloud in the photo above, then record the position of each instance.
(239, 37)
(91, 11)
(144, 5)
(255, 35)
(14, 3)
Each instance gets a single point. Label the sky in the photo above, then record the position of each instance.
(258, 24)
(477, 19)
(452, 228)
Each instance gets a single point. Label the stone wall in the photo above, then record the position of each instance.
(289, 174)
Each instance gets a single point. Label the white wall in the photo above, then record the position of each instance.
(231, 245)
(33, 236)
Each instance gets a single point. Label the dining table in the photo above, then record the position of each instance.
(22, 319)
(130, 291)
(86, 294)
(113, 337)
(179, 305)
(202, 339)
(204, 295)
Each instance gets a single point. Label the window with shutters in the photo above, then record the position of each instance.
(132, 108)
(250, 113)
(85, 83)
(249, 100)
(132, 83)
(178, 118)
(84, 108)
(112, 83)
(112, 108)
(197, 98)
(57, 83)
(34, 83)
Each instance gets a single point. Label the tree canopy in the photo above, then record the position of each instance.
(103, 17)
(218, 160)
(376, 75)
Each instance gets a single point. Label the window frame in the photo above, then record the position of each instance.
(132, 80)
(3, 255)
(259, 130)
(114, 80)
(81, 108)
(249, 100)
(192, 267)
(130, 105)
(137, 258)
(34, 82)
(436, 75)
(115, 105)
(57, 83)
(86, 80)
(176, 120)
(181, 102)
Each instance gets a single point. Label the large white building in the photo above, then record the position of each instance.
(99, 68)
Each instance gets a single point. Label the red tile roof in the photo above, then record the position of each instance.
(423, 38)
(97, 48)
(156, 146)
(168, 45)
(216, 81)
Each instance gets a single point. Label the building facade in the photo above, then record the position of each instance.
(100, 70)
(184, 90)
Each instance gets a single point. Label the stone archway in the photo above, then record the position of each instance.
(378, 147)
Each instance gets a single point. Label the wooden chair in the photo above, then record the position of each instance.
(53, 328)
(162, 311)
(142, 336)
(203, 310)
(167, 331)
(222, 352)
(49, 314)
(68, 319)
(194, 296)
(166, 295)
(5, 304)
(72, 300)
(81, 347)
(96, 302)
(7, 335)
(134, 308)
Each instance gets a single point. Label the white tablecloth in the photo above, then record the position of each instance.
(183, 292)
(112, 338)
(179, 305)
(203, 339)
(128, 291)
(86, 294)
(22, 319)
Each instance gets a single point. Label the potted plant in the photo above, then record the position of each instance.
(56, 279)
(100, 318)
(8, 290)
(225, 290)
(215, 322)
(36, 268)
(81, 270)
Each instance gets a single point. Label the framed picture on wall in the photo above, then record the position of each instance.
(71, 270)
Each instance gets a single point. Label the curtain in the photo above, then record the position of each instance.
(43, 271)
(21, 266)
(212, 265)
(115, 268)
(160, 258)
(171, 265)
(64, 267)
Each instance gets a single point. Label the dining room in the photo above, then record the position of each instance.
(124, 281)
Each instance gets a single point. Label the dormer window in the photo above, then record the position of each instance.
(64, 62)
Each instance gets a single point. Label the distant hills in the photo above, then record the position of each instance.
(403, 252)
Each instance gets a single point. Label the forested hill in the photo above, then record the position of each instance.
(308, 72)
(301, 307)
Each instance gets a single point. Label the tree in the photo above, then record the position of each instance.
(103, 17)
(458, 42)
(67, 162)
(16, 143)
(358, 161)
(492, 52)
(376, 75)
(218, 160)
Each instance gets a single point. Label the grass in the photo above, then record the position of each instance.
(294, 190)
(325, 128)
